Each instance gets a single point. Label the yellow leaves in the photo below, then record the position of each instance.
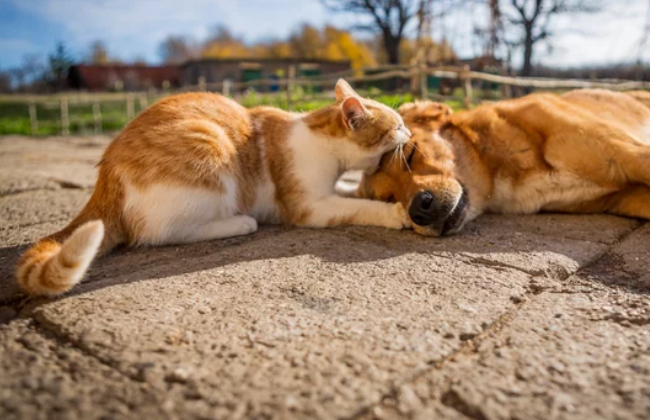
(433, 51)
(233, 49)
(349, 48)
(307, 42)
(277, 50)
(330, 42)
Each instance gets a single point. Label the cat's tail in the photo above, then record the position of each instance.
(59, 261)
(51, 267)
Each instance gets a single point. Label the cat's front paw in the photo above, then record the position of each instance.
(399, 218)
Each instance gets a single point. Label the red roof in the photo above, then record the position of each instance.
(132, 77)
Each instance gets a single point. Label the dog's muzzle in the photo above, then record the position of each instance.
(441, 216)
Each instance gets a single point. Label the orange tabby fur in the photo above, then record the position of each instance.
(199, 166)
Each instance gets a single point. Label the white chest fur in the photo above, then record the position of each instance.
(544, 191)
(314, 163)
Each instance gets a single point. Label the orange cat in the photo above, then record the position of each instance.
(198, 166)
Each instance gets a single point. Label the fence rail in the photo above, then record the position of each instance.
(416, 75)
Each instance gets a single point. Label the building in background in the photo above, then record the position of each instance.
(117, 77)
(246, 70)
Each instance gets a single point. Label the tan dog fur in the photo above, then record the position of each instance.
(587, 151)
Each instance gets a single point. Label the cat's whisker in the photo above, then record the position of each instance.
(415, 146)
(393, 156)
(397, 154)
(404, 158)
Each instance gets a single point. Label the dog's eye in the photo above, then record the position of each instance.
(410, 158)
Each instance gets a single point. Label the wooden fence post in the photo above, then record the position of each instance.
(97, 118)
(424, 94)
(33, 119)
(467, 86)
(507, 91)
(290, 82)
(225, 89)
(129, 107)
(202, 84)
(65, 120)
(144, 103)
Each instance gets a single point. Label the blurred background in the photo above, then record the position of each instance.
(89, 66)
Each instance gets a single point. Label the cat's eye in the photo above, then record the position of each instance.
(405, 130)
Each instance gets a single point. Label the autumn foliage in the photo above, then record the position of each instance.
(306, 42)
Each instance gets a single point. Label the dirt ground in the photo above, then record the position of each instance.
(540, 317)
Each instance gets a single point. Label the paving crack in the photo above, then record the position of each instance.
(455, 400)
(450, 397)
(52, 331)
(468, 347)
(67, 184)
(486, 262)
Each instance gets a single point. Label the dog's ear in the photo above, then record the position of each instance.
(433, 110)
(425, 113)
(404, 109)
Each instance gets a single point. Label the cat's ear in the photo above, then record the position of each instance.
(343, 90)
(354, 113)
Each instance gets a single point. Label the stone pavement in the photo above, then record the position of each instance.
(541, 317)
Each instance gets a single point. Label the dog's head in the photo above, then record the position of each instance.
(422, 178)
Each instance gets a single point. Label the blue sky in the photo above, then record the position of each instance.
(135, 28)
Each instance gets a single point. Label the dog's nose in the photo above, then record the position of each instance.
(424, 210)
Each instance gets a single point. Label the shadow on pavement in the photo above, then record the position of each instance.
(543, 245)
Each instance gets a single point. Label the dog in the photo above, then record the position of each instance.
(586, 151)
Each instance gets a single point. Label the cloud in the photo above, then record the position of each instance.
(135, 27)
(583, 39)
(17, 45)
(132, 27)
(122, 18)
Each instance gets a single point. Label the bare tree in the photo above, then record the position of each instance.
(493, 29)
(425, 18)
(5, 82)
(177, 49)
(388, 17)
(645, 35)
(529, 22)
(139, 60)
(33, 67)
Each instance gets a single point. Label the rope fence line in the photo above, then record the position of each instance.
(417, 75)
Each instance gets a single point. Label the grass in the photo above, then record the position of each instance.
(14, 113)
(14, 117)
